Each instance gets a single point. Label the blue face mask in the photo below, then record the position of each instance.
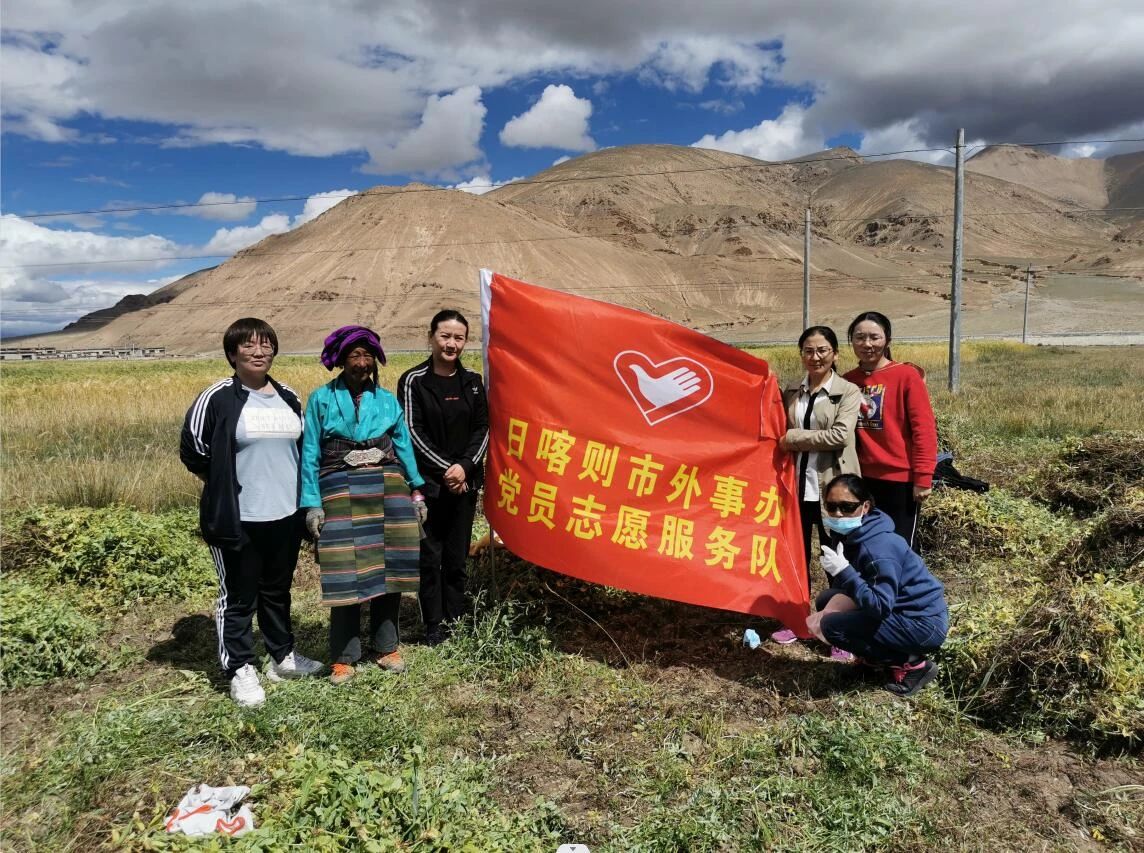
(843, 525)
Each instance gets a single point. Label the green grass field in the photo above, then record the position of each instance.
(562, 712)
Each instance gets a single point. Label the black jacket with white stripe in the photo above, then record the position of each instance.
(423, 409)
(208, 448)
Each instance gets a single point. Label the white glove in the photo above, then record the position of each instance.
(833, 561)
(315, 520)
(422, 511)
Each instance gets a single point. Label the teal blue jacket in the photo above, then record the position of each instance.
(330, 414)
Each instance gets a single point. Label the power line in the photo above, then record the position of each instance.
(517, 183)
(987, 214)
(985, 145)
(561, 180)
(501, 242)
(698, 288)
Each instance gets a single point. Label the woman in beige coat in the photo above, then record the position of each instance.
(822, 412)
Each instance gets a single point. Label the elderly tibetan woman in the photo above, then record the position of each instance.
(361, 488)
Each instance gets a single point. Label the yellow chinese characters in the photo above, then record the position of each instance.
(584, 522)
(645, 471)
(599, 462)
(677, 537)
(509, 482)
(722, 548)
(685, 483)
(727, 499)
(763, 557)
(769, 510)
(631, 528)
(553, 448)
(713, 509)
(542, 508)
(517, 432)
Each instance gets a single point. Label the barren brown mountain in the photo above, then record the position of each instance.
(1077, 181)
(710, 239)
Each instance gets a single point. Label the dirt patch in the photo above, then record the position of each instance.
(694, 663)
(1051, 790)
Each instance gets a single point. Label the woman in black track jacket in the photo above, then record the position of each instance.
(448, 417)
(241, 437)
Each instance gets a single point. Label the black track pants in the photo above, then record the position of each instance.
(256, 578)
(444, 552)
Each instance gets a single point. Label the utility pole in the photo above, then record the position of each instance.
(955, 285)
(806, 272)
(1028, 287)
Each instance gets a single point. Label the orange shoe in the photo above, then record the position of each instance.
(392, 662)
(342, 672)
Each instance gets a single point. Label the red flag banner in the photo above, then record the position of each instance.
(630, 451)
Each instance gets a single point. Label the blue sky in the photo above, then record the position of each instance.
(113, 103)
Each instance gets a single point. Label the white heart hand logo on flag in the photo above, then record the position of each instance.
(666, 389)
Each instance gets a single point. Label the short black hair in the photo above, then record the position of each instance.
(444, 317)
(246, 329)
(853, 484)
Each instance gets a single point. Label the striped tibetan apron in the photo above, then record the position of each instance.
(370, 544)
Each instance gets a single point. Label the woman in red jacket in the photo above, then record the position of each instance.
(897, 435)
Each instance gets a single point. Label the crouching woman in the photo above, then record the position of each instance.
(883, 604)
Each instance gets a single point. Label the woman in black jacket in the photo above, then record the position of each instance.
(241, 437)
(448, 417)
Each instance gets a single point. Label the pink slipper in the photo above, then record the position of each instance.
(841, 655)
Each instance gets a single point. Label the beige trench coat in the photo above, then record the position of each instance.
(836, 414)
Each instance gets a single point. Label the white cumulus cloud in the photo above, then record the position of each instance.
(449, 135)
(558, 120)
(687, 63)
(771, 139)
(227, 241)
(223, 207)
(52, 276)
(28, 245)
(35, 305)
(218, 72)
(482, 184)
(319, 203)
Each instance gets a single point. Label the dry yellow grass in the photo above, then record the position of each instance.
(98, 433)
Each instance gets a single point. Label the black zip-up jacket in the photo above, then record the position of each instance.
(424, 408)
(208, 448)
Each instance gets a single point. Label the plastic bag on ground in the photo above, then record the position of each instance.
(205, 811)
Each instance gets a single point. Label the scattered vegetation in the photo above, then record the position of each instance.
(1055, 645)
(1091, 473)
(562, 711)
(116, 556)
(965, 528)
(1110, 544)
(43, 636)
(1064, 661)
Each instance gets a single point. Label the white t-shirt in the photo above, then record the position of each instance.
(267, 458)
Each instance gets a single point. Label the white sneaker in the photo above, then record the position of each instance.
(294, 665)
(245, 689)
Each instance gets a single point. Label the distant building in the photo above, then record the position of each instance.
(44, 353)
(27, 353)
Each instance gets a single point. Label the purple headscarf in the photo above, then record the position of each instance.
(345, 339)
